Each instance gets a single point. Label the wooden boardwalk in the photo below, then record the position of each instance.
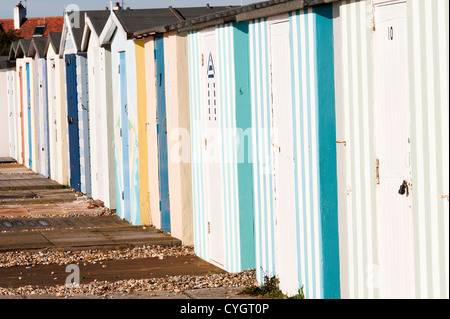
(20, 185)
(17, 177)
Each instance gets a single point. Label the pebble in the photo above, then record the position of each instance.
(60, 257)
(175, 284)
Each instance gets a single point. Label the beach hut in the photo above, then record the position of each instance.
(168, 128)
(37, 51)
(126, 119)
(7, 109)
(15, 104)
(220, 109)
(26, 99)
(391, 63)
(77, 99)
(294, 150)
(57, 111)
(263, 143)
(100, 110)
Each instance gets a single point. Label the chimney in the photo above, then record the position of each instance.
(20, 14)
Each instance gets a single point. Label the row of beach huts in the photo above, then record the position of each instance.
(306, 139)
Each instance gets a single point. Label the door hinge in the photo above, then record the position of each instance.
(120, 132)
(118, 68)
(209, 228)
(203, 60)
(123, 195)
(160, 206)
(154, 54)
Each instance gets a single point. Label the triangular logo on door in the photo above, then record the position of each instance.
(210, 70)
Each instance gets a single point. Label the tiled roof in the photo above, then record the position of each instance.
(53, 24)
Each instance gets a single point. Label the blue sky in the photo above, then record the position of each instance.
(51, 8)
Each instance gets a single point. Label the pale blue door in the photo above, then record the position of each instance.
(124, 135)
(162, 135)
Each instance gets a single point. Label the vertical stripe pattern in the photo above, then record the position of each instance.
(226, 101)
(427, 47)
(428, 40)
(305, 90)
(357, 101)
(262, 156)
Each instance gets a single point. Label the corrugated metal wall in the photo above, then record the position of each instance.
(427, 25)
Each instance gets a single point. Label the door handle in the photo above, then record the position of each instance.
(69, 120)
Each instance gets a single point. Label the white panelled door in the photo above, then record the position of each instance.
(212, 146)
(392, 148)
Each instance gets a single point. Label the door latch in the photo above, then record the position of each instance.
(404, 189)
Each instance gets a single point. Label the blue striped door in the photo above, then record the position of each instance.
(162, 135)
(30, 143)
(124, 135)
(72, 119)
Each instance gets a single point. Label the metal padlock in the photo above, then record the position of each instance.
(403, 188)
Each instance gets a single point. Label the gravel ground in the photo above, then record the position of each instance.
(27, 258)
(173, 283)
(177, 284)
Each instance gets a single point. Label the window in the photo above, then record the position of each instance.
(39, 31)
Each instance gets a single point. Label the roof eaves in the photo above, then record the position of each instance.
(276, 7)
(238, 14)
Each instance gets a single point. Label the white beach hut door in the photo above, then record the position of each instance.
(283, 157)
(392, 148)
(212, 146)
